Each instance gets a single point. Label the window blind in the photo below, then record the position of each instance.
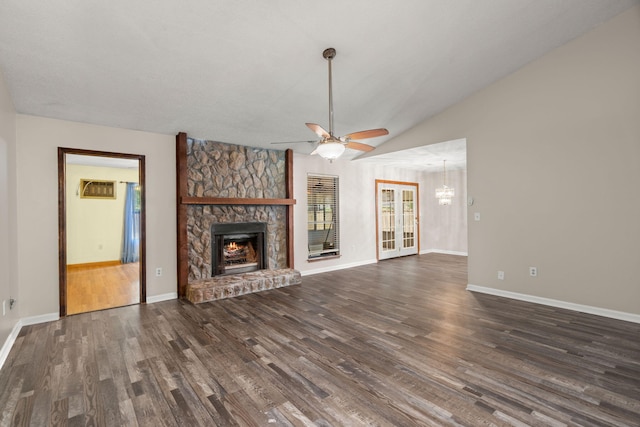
(323, 215)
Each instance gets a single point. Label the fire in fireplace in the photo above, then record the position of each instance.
(238, 247)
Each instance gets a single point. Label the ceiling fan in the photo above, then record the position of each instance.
(330, 146)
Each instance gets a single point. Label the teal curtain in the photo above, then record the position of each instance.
(131, 240)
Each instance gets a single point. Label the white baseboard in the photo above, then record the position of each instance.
(613, 314)
(443, 251)
(162, 297)
(337, 267)
(8, 343)
(42, 318)
(11, 339)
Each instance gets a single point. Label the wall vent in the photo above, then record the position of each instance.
(97, 189)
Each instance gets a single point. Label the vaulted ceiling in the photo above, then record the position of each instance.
(252, 72)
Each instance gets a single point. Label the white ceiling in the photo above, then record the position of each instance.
(429, 158)
(252, 72)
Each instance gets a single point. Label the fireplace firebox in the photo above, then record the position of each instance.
(238, 247)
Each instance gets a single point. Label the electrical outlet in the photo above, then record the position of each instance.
(500, 275)
(4, 307)
(158, 272)
(476, 216)
(533, 271)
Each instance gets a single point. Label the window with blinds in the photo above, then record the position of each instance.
(322, 215)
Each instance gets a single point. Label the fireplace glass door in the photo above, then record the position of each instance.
(240, 253)
(238, 248)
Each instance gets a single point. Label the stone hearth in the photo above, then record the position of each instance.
(222, 287)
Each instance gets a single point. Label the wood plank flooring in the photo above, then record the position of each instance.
(91, 288)
(399, 343)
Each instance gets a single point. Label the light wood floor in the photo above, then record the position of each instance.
(399, 343)
(94, 288)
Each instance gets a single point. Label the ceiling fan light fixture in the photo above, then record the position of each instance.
(331, 147)
(330, 150)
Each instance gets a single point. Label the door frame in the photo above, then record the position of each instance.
(62, 219)
(380, 182)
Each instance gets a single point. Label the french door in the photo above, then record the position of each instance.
(397, 219)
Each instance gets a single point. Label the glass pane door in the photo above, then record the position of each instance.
(397, 220)
(408, 219)
(388, 220)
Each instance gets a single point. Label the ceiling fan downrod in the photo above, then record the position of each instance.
(329, 54)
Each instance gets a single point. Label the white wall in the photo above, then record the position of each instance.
(37, 204)
(357, 211)
(553, 162)
(8, 273)
(95, 226)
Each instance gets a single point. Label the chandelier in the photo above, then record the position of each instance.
(444, 194)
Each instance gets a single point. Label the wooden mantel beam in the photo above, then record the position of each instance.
(234, 201)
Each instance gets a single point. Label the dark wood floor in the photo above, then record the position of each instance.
(400, 343)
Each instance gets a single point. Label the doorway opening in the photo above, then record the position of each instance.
(101, 227)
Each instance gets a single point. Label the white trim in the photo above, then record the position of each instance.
(8, 343)
(11, 339)
(162, 297)
(613, 314)
(443, 251)
(43, 318)
(337, 267)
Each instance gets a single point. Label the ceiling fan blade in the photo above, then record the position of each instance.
(364, 134)
(318, 130)
(359, 146)
(294, 142)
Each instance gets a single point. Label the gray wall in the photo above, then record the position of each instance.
(553, 154)
(37, 205)
(8, 237)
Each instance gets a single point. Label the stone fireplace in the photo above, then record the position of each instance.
(234, 218)
(238, 248)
